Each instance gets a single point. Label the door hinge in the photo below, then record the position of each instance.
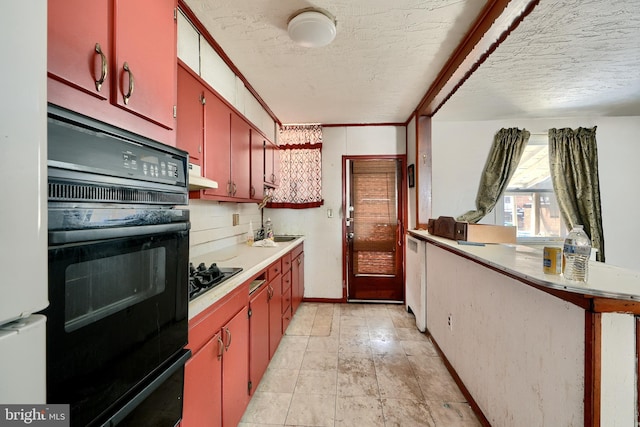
(250, 386)
(249, 313)
(175, 111)
(175, 13)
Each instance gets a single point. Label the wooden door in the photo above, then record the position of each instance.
(272, 163)
(145, 59)
(259, 335)
(217, 145)
(203, 386)
(373, 229)
(79, 45)
(191, 100)
(240, 157)
(235, 368)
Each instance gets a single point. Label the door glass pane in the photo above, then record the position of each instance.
(96, 288)
(374, 216)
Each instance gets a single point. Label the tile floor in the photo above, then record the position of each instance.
(356, 365)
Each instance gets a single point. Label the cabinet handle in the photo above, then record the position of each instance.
(273, 178)
(220, 347)
(131, 83)
(253, 191)
(203, 100)
(229, 188)
(103, 72)
(228, 339)
(299, 260)
(234, 189)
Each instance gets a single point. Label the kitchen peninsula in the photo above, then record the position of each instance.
(534, 349)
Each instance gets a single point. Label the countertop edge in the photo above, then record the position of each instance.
(534, 275)
(252, 260)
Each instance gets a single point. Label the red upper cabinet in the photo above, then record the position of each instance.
(145, 58)
(271, 164)
(79, 48)
(240, 157)
(257, 165)
(191, 102)
(217, 131)
(115, 60)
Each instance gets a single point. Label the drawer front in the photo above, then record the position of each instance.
(286, 319)
(286, 262)
(286, 281)
(274, 270)
(297, 251)
(286, 300)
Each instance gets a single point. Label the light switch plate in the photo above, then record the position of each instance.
(236, 219)
(329, 213)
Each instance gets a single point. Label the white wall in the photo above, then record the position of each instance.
(518, 350)
(212, 226)
(460, 150)
(323, 244)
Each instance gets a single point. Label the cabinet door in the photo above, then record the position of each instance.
(217, 131)
(258, 336)
(272, 163)
(240, 157)
(257, 165)
(235, 368)
(203, 386)
(74, 29)
(297, 282)
(190, 131)
(145, 59)
(275, 314)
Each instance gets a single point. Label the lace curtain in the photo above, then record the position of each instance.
(300, 168)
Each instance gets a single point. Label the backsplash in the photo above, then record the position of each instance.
(212, 226)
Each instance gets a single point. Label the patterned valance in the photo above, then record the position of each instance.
(300, 168)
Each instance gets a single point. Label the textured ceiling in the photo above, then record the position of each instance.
(567, 58)
(378, 68)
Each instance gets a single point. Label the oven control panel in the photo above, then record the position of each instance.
(103, 155)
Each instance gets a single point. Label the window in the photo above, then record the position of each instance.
(529, 201)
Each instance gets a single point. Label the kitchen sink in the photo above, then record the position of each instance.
(284, 238)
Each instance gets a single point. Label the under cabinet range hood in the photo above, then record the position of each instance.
(197, 181)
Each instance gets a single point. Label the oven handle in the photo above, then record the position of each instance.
(148, 390)
(75, 236)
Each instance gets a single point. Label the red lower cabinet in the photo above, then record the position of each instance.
(259, 335)
(235, 369)
(216, 385)
(203, 385)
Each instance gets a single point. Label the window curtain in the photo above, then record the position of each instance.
(505, 154)
(300, 168)
(573, 163)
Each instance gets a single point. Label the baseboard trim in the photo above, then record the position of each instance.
(465, 392)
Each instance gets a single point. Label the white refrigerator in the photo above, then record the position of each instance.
(23, 202)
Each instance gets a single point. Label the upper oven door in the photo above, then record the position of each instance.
(118, 310)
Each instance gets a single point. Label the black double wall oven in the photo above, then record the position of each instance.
(117, 319)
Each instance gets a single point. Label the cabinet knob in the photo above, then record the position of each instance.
(103, 72)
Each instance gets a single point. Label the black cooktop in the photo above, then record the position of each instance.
(203, 278)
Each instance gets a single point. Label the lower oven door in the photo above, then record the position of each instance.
(117, 312)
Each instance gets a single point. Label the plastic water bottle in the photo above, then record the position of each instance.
(576, 253)
(268, 229)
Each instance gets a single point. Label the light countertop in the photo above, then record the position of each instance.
(604, 280)
(251, 259)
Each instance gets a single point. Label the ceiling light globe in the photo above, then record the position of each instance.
(312, 28)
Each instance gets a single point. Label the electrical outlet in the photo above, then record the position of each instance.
(329, 213)
(236, 219)
(450, 321)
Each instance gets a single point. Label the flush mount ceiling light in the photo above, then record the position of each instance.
(312, 27)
